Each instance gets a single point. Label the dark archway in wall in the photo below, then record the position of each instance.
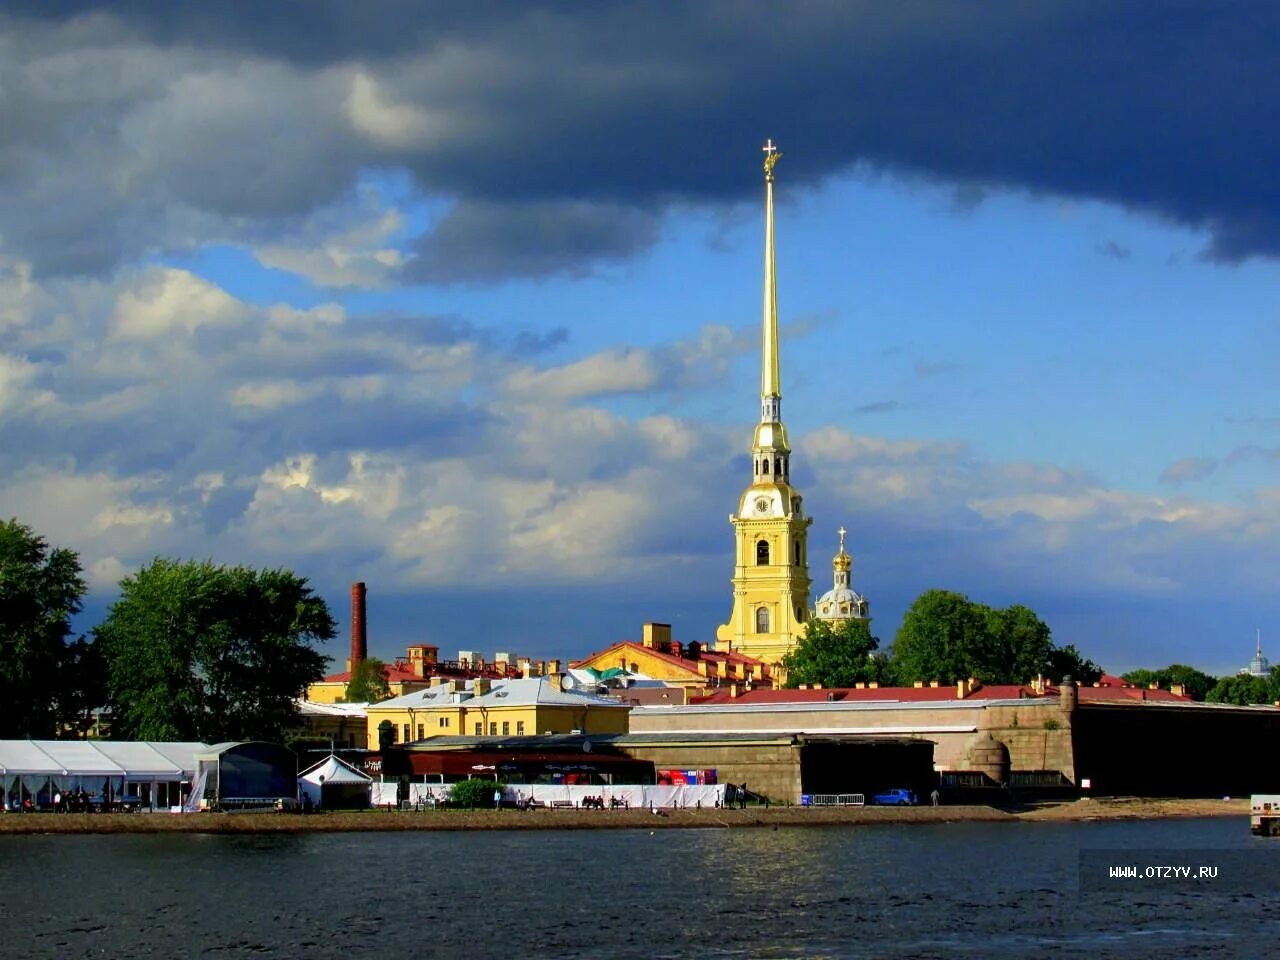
(867, 766)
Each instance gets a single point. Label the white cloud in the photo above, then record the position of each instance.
(601, 374)
(273, 394)
(18, 392)
(358, 255)
(373, 113)
(165, 301)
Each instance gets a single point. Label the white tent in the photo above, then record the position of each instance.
(346, 785)
(150, 774)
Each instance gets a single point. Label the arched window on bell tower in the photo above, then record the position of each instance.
(762, 620)
(762, 553)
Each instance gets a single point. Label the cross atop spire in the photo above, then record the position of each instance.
(771, 157)
(842, 531)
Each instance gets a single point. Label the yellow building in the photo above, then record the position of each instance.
(688, 666)
(499, 708)
(771, 565)
(333, 688)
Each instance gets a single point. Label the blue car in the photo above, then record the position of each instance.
(898, 797)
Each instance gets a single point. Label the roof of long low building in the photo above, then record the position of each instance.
(938, 694)
(711, 657)
(523, 692)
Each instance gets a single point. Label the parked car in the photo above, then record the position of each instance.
(897, 797)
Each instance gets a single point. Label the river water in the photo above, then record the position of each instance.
(911, 890)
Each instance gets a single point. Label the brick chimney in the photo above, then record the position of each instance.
(359, 641)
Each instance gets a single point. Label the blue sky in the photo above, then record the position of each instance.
(471, 312)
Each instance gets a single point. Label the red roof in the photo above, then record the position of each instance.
(872, 694)
(393, 675)
(760, 668)
(1137, 694)
(932, 694)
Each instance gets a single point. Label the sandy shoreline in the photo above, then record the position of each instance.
(380, 820)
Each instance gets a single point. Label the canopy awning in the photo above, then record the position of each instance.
(25, 757)
(99, 758)
(333, 770)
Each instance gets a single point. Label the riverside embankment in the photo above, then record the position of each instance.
(382, 820)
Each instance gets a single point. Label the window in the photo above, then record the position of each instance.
(479, 729)
(493, 728)
(406, 733)
(762, 553)
(762, 620)
(777, 465)
(506, 728)
(422, 732)
(766, 465)
(444, 721)
(797, 553)
(519, 728)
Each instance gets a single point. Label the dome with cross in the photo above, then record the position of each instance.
(841, 602)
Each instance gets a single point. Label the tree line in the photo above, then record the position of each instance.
(191, 650)
(947, 637)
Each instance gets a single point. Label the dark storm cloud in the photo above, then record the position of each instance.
(477, 242)
(563, 131)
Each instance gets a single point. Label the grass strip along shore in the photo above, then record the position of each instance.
(383, 820)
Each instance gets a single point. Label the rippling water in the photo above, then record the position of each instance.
(929, 891)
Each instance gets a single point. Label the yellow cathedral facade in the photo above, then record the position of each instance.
(771, 567)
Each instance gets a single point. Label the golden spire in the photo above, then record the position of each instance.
(770, 379)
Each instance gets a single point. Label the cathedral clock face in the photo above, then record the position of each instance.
(762, 505)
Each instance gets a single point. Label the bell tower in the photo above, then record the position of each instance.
(771, 565)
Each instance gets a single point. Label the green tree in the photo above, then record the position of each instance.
(1243, 689)
(834, 655)
(197, 651)
(946, 636)
(1067, 662)
(1197, 683)
(368, 683)
(1018, 647)
(40, 591)
(473, 793)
